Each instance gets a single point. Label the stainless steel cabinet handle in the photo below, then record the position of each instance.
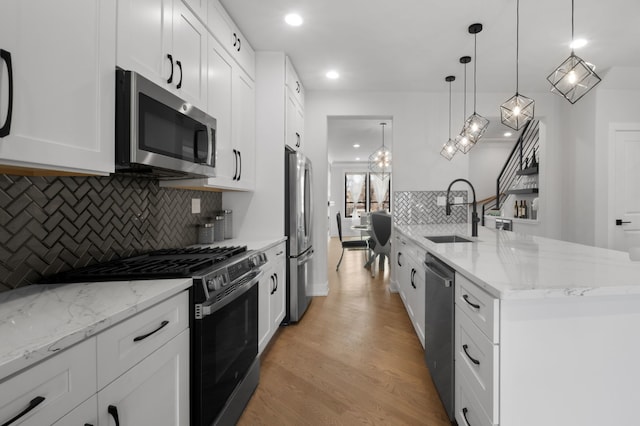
(6, 127)
(32, 404)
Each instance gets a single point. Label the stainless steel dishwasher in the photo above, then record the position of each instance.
(439, 328)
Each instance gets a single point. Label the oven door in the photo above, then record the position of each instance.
(225, 344)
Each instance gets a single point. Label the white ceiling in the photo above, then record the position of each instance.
(409, 45)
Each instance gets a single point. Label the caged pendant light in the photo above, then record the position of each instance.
(449, 149)
(476, 125)
(462, 141)
(518, 110)
(380, 160)
(574, 77)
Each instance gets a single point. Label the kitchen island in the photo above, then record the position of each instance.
(553, 326)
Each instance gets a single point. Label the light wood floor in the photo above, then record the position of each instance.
(354, 358)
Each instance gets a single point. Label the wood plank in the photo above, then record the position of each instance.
(353, 359)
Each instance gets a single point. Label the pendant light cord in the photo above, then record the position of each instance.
(518, 44)
(464, 106)
(449, 110)
(475, 62)
(572, 27)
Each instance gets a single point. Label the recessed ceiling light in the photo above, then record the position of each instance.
(293, 19)
(507, 134)
(356, 145)
(578, 43)
(357, 158)
(333, 74)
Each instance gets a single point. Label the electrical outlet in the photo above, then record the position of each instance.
(195, 205)
(441, 201)
(458, 200)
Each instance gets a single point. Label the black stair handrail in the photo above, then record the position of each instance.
(526, 144)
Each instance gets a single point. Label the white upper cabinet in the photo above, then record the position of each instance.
(222, 27)
(164, 41)
(57, 85)
(295, 108)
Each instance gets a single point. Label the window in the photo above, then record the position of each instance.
(366, 192)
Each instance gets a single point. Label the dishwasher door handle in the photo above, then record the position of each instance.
(448, 282)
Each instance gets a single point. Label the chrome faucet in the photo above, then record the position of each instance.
(474, 213)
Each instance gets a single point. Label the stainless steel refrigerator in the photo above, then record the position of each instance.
(298, 228)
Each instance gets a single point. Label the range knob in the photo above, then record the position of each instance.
(211, 285)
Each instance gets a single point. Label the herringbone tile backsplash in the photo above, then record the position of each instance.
(420, 208)
(53, 224)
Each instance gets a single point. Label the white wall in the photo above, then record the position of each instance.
(485, 162)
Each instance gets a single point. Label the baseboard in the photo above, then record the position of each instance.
(393, 287)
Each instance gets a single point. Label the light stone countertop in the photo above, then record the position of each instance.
(39, 320)
(512, 265)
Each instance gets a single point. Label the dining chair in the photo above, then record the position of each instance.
(349, 244)
(381, 238)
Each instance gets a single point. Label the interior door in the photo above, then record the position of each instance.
(625, 223)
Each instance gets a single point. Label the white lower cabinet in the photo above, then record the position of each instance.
(52, 388)
(411, 282)
(84, 414)
(271, 295)
(134, 373)
(476, 354)
(153, 392)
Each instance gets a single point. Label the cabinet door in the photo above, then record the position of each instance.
(190, 56)
(220, 79)
(418, 300)
(243, 125)
(154, 392)
(63, 84)
(265, 287)
(199, 7)
(144, 38)
(294, 121)
(279, 294)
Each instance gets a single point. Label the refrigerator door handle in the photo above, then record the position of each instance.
(305, 257)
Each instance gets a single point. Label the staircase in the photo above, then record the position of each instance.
(527, 143)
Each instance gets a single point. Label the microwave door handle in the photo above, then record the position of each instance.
(196, 151)
(211, 139)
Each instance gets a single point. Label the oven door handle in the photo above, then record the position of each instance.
(211, 306)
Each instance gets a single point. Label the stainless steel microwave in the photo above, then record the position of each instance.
(160, 135)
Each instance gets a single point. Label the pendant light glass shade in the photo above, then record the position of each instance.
(518, 110)
(475, 125)
(380, 160)
(449, 148)
(574, 77)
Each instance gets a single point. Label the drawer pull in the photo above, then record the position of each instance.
(144, 336)
(33, 404)
(464, 414)
(466, 299)
(473, 360)
(113, 410)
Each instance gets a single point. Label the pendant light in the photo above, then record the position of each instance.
(462, 141)
(449, 149)
(380, 160)
(517, 110)
(476, 125)
(574, 77)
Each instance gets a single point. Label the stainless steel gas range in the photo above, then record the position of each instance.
(225, 366)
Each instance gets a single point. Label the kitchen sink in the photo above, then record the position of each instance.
(448, 239)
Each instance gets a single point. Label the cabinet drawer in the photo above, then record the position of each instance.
(85, 414)
(276, 254)
(64, 381)
(477, 359)
(127, 343)
(293, 83)
(482, 308)
(468, 410)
